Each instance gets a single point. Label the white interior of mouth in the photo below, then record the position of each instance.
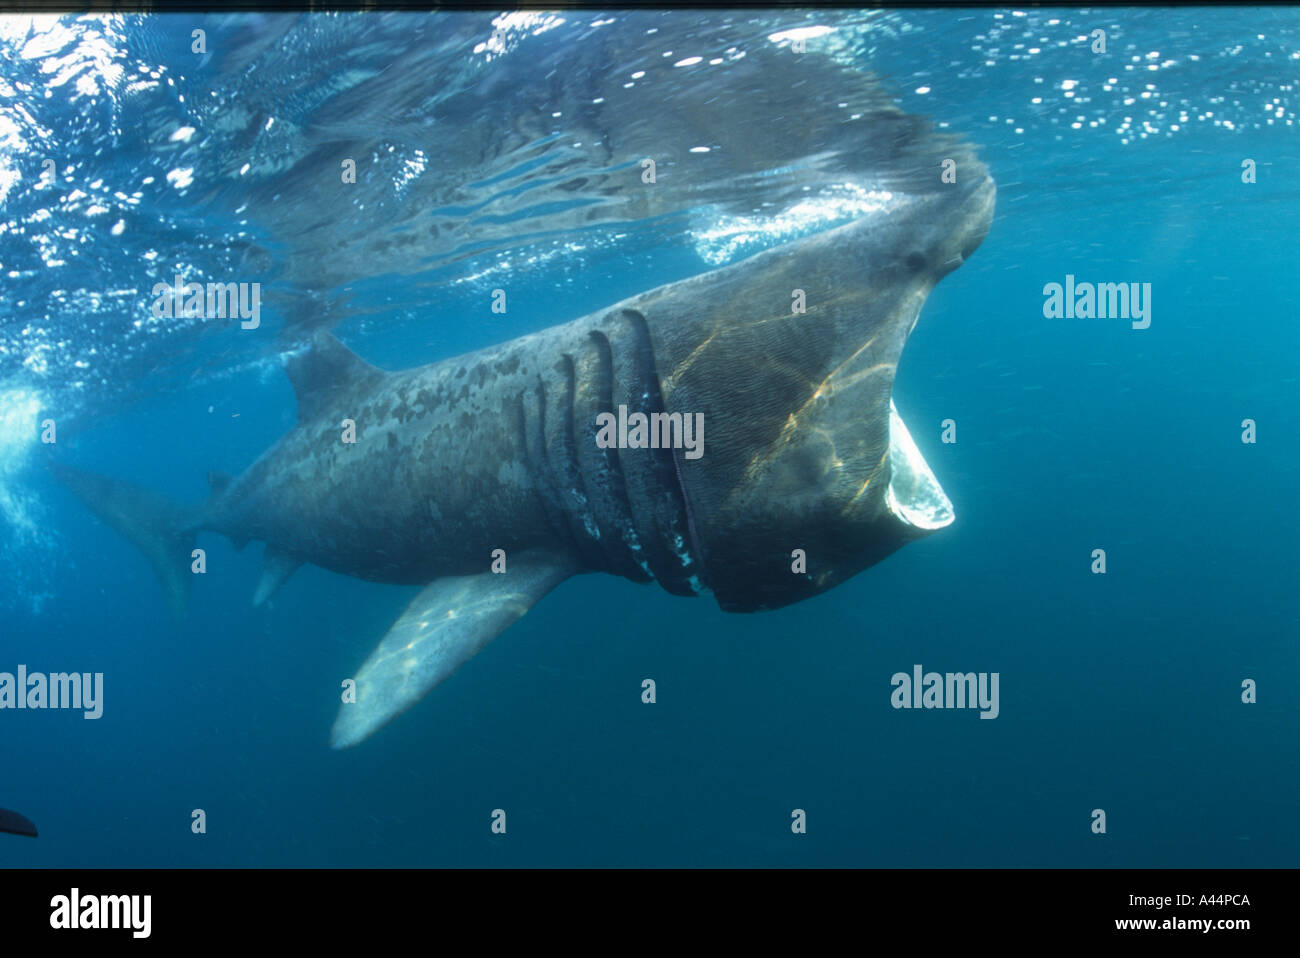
(915, 495)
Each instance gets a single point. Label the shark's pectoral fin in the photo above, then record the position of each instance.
(446, 624)
(277, 566)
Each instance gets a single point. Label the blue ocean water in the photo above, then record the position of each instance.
(1120, 692)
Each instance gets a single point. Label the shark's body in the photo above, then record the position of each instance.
(497, 450)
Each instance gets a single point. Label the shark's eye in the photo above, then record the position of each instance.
(915, 261)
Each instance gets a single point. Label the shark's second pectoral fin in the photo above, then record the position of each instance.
(446, 624)
(277, 566)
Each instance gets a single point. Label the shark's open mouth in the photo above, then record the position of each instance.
(915, 495)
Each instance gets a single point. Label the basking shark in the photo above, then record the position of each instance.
(480, 478)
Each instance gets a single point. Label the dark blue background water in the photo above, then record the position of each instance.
(1119, 692)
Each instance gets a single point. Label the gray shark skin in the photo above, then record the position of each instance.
(803, 449)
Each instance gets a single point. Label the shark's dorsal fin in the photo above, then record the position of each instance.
(324, 369)
(218, 482)
(447, 623)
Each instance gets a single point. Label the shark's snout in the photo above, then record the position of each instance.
(959, 226)
(977, 212)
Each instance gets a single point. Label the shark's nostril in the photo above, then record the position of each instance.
(915, 261)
